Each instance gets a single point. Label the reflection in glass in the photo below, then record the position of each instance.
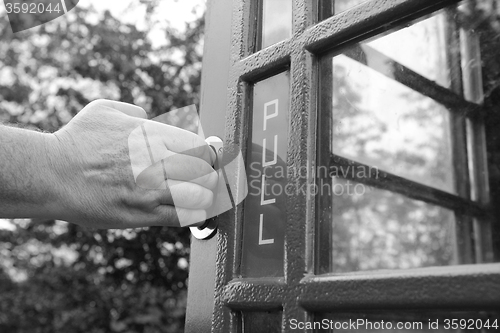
(276, 21)
(388, 125)
(421, 47)
(376, 229)
(327, 8)
(384, 114)
(395, 103)
(410, 322)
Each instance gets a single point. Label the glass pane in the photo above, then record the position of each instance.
(342, 5)
(376, 229)
(388, 103)
(481, 66)
(264, 210)
(276, 21)
(261, 321)
(421, 47)
(381, 122)
(421, 322)
(329, 7)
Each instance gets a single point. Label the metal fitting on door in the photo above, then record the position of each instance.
(209, 229)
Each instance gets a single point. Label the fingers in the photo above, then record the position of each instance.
(184, 195)
(166, 215)
(178, 167)
(129, 109)
(161, 136)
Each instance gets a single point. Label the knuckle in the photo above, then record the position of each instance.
(95, 105)
(96, 102)
(142, 199)
(143, 112)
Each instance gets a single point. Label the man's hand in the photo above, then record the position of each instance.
(86, 167)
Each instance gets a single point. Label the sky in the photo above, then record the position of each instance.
(176, 12)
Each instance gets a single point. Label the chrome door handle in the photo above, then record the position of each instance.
(209, 228)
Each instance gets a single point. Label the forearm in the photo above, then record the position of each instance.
(26, 178)
(83, 173)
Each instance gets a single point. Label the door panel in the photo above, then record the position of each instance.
(213, 106)
(283, 263)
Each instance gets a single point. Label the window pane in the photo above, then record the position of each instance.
(276, 21)
(381, 122)
(395, 103)
(327, 8)
(377, 229)
(341, 5)
(421, 47)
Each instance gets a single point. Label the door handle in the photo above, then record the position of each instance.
(209, 228)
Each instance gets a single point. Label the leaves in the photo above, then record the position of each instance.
(56, 277)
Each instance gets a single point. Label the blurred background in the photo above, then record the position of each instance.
(58, 277)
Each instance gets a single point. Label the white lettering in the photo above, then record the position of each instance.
(263, 192)
(268, 116)
(275, 152)
(261, 227)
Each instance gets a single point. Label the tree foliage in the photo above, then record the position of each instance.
(57, 277)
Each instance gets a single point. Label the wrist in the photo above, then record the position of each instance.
(57, 177)
(50, 191)
(26, 178)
